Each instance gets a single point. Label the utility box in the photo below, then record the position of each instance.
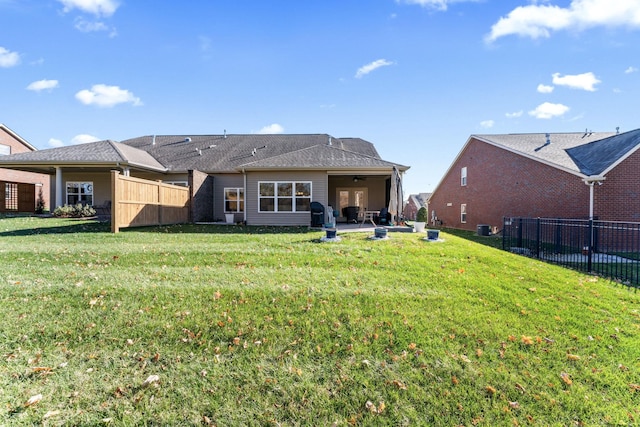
(484, 230)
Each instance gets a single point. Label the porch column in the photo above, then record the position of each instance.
(125, 171)
(58, 186)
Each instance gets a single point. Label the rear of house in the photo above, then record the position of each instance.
(257, 179)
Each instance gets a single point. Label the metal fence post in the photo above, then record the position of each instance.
(590, 249)
(538, 237)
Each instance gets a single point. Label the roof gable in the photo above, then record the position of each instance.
(100, 152)
(596, 157)
(320, 156)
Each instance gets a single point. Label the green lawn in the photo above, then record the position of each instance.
(197, 325)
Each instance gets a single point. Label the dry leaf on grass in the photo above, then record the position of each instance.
(151, 379)
(33, 400)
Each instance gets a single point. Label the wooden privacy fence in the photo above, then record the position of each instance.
(139, 202)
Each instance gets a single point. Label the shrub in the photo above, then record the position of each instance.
(40, 205)
(422, 215)
(74, 211)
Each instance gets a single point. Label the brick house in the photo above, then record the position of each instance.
(19, 190)
(562, 175)
(415, 202)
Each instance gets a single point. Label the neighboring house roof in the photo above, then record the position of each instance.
(17, 137)
(552, 150)
(420, 199)
(597, 158)
(95, 153)
(215, 153)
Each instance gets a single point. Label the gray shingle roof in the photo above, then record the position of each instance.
(101, 152)
(228, 153)
(215, 153)
(596, 157)
(564, 150)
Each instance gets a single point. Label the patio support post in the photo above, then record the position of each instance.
(58, 186)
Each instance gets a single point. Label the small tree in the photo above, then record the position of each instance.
(422, 215)
(40, 205)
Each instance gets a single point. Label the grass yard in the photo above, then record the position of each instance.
(205, 325)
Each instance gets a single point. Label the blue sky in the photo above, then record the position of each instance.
(415, 77)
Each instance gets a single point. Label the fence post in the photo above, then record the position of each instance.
(538, 237)
(590, 248)
(519, 235)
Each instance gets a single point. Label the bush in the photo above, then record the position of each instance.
(74, 211)
(422, 215)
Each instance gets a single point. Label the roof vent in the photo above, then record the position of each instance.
(187, 139)
(548, 136)
(617, 130)
(225, 134)
(329, 143)
(153, 141)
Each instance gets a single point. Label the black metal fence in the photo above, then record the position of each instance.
(606, 248)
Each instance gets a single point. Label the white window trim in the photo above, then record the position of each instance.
(80, 183)
(463, 177)
(239, 191)
(463, 213)
(275, 196)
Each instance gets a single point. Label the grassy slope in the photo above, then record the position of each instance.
(255, 327)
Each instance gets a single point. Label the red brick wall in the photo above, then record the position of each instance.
(501, 183)
(410, 210)
(23, 177)
(618, 198)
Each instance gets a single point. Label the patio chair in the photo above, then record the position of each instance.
(383, 217)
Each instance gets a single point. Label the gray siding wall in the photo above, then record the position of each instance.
(221, 182)
(319, 187)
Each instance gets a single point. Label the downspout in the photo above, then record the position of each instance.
(244, 212)
(590, 181)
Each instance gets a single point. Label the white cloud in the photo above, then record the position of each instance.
(548, 110)
(486, 124)
(514, 115)
(55, 143)
(584, 81)
(539, 20)
(94, 7)
(631, 70)
(85, 26)
(83, 138)
(272, 128)
(8, 58)
(434, 4)
(107, 96)
(366, 69)
(544, 88)
(40, 85)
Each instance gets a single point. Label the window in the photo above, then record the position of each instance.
(11, 196)
(234, 199)
(5, 150)
(80, 192)
(284, 196)
(463, 176)
(463, 213)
